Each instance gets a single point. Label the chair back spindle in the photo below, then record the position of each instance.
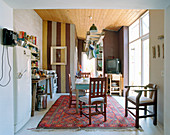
(85, 74)
(97, 87)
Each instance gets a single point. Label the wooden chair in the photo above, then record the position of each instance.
(97, 95)
(73, 92)
(85, 74)
(140, 101)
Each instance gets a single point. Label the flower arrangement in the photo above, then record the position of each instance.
(79, 69)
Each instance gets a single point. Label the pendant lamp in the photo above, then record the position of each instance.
(93, 28)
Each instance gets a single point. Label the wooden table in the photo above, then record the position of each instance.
(34, 90)
(80, 84)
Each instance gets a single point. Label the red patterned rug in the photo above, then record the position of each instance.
(61, 116)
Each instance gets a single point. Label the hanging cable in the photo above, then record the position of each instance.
(2, 64)
(10, 68)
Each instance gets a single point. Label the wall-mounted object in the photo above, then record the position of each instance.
(153, 51)
(158, 48)
(161, 37)
(163, 50)
(58, 55)
(94, 37)
(9, 37)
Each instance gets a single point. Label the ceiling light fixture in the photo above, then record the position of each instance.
(90, 17)
(93, 29)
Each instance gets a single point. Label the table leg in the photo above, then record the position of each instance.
(77, 100)
(33, 98)
(50, 88)
(46, 88)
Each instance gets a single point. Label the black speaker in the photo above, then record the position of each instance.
(9, 37)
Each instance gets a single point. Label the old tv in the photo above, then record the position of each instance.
(113, 66)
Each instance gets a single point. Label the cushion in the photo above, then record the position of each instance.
(141, 100)
(86, 99)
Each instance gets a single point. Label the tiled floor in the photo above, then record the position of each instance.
(29, 128)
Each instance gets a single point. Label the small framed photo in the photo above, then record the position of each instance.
(58, 55)
(163, 50)
(153, 51)
(158, 48)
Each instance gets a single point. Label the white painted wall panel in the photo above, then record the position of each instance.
(167, 73)
(157, 64)
(30, 22)
(6, 96)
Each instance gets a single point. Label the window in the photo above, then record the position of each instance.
(145, 24)
(134, 31)
(139, 51)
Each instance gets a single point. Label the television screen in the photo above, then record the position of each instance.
(113, 66)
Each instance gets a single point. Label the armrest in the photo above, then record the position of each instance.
(128, 89)
(135, 86)
(145, 90)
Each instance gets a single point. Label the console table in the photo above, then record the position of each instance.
(34, 90)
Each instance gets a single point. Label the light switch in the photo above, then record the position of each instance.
(162, 73)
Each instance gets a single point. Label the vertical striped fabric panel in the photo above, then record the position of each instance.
(63, 69)
(58, 43)
(49, 42)
(44, 47)
(58, 34)
(72, 53)
(68, 55)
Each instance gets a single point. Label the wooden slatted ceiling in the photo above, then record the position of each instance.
(111, 19)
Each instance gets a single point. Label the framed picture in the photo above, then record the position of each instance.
(158, 48)
(154, 51)
(58, 55)
(163, 50)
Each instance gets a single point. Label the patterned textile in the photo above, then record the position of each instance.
(61, 116)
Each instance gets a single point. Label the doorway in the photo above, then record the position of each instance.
(88, 65)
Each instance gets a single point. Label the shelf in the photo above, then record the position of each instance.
(34, 59)
(115, 83)
(98, 37)
(31, 44)
(115, 87)
(115, 91)
(35, 53)
(34, 66)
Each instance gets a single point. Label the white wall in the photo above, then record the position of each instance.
(6, 93)
(157, 64)
(167, 73)
(29, 21)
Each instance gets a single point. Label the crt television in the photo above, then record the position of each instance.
(113, 66)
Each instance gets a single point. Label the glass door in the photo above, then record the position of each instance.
(139, 51)
(145, 62)
(135, 63)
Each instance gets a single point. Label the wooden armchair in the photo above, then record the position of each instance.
(97, 95)
(144, 101)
